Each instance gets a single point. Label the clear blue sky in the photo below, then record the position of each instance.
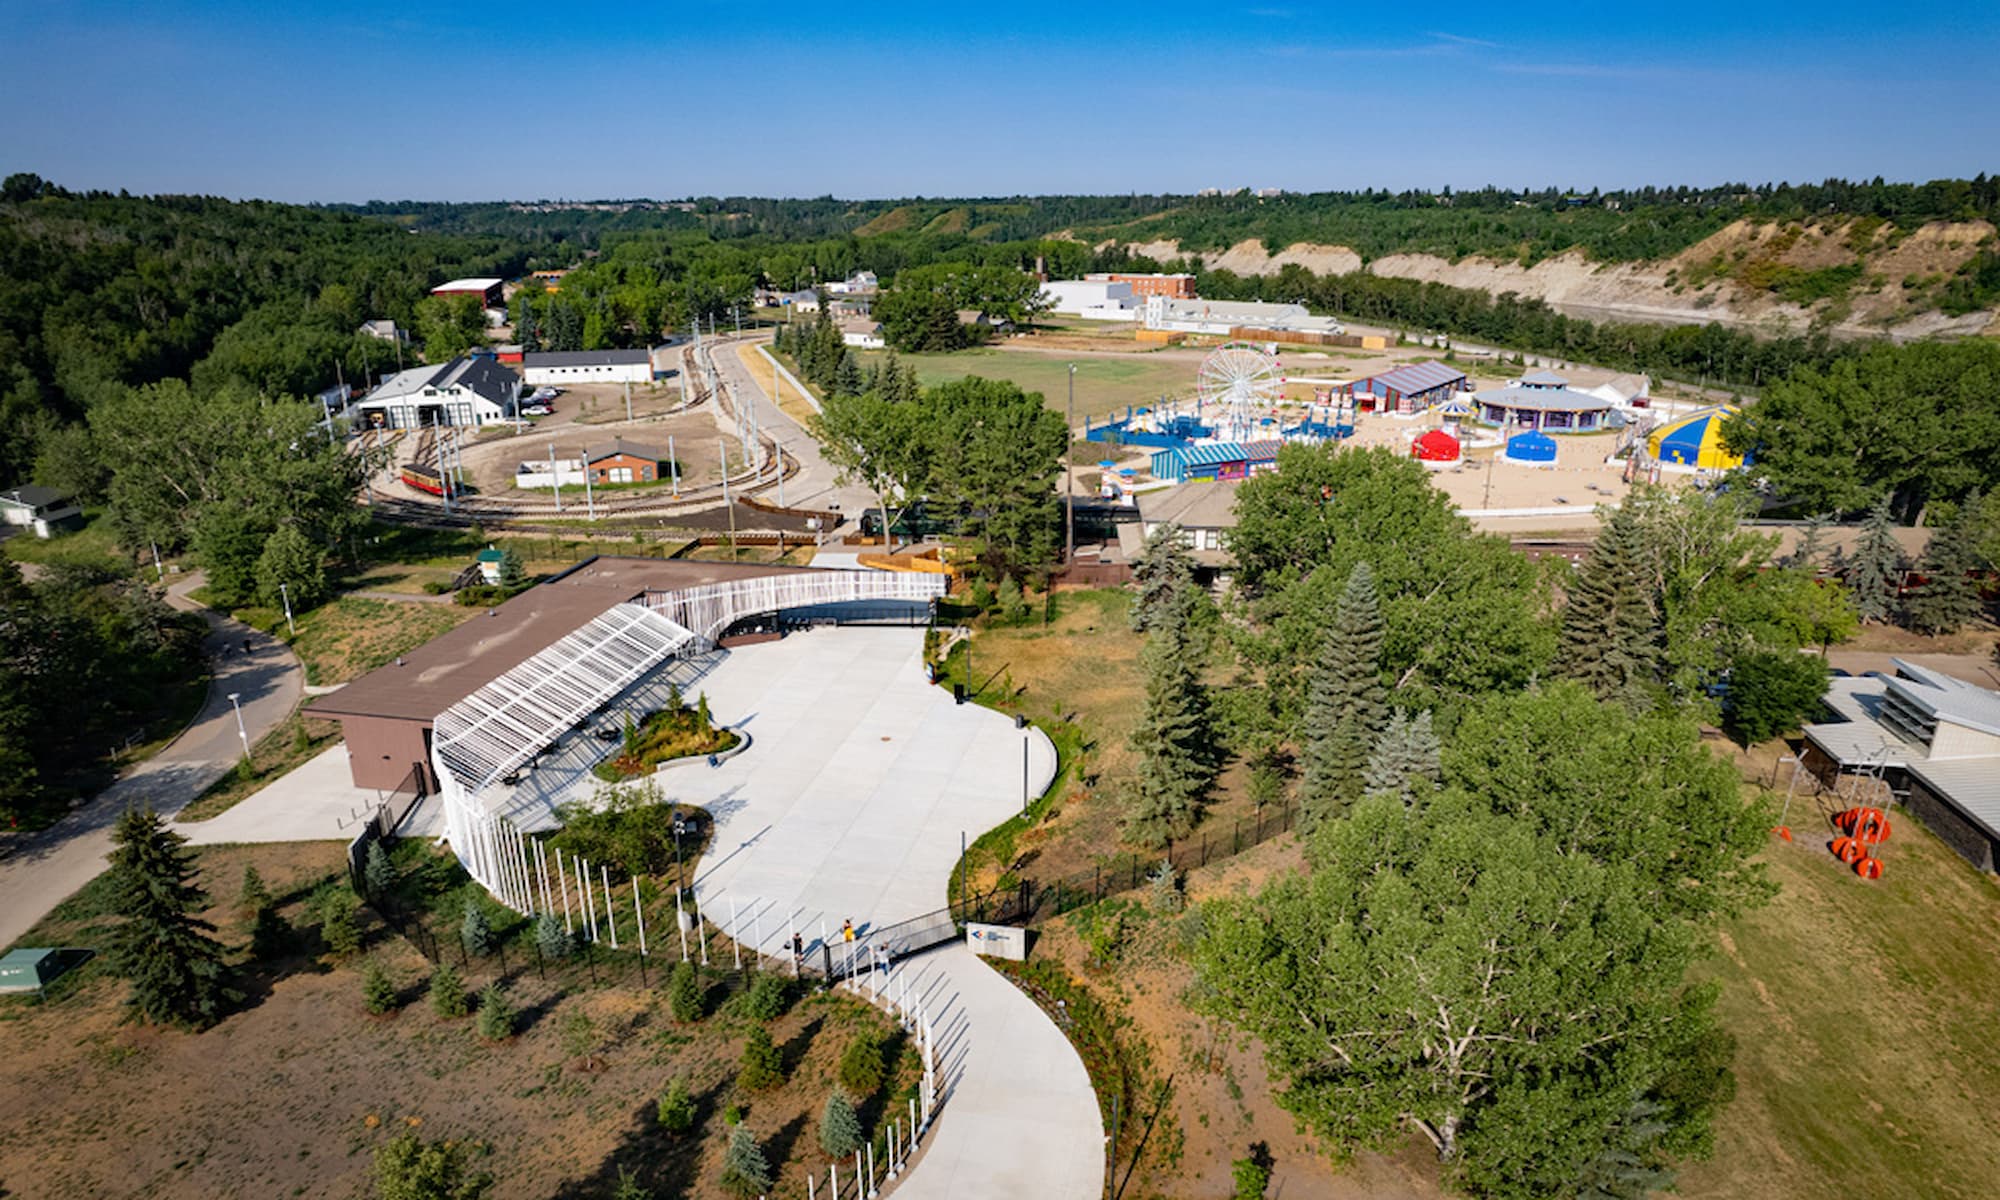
(366, 100)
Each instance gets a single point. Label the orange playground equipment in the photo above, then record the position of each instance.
(1861, 829)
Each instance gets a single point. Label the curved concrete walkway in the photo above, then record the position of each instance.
(1018, 1116)
(46, 868)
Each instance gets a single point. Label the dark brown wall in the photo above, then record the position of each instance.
(381, 750)
(1951, 826)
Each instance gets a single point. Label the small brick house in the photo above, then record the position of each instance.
(620, 461)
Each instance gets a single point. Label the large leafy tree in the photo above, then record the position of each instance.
(1463, 614)
(1346, 707)
(175, 968)
(1917, 419)
(1770, 692)
(879, 443)
(223, 471)
(995, 452)
(1454, 971)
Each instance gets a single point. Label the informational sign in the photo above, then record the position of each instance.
(997, 941)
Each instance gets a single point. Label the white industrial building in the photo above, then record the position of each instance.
(564, 367)
(1093, 299)
(475, 390)
(1224, 317)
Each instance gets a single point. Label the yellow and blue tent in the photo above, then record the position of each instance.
(1696, 441)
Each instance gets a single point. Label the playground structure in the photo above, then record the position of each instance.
(1239, 397)
(1861, 830)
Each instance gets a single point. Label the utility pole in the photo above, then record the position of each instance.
(1069, 475)
(674, 465)
(555, 479)
(286, 592)
(589, 505)
(444, 476)
(722, 448)
(628, 400)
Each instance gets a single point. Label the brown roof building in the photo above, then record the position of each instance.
(386, 714)
(620, 461)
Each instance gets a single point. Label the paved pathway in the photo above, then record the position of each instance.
(1019, 1118)
(43, 870)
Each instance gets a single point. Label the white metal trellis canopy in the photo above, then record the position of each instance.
(507, 722)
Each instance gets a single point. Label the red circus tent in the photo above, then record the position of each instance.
(1436, 446)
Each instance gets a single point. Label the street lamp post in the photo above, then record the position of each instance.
(1069, 475)
(286, 592)
(234, 702)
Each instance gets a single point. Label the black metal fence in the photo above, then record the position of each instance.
(1031, 901)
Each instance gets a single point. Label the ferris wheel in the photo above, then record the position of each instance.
(1239, 378)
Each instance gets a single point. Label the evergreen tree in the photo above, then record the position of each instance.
(1405, 759)
(254, 894)
(1876, 566)
(338, 927)
(378, 874)
(744, 1169)
(684, 993)
(496, 1016)
(1163, 569)
(513, 572)
(1948, 599)
(1346, 709)
(551, 938)
(1608, 621)
(411, 1169)
(847, 378)
(1812, 544)
(676, 1107)
(839, 1126)
(629, 1187)
(476, 931)
(270, 934)
(1629, 1166)
(1013, 606)
(377, 991)
(763, 1066)
(176, 969)
(1174, 738)
(448, 992)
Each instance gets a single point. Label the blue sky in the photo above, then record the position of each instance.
(367, 100)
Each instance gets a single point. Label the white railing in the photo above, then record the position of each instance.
(709, 609)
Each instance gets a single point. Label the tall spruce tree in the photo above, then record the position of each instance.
(1174, 737)
(1948, 600)
(839, 1126)
(1346, 707)
(745, 1171)
(176, 969)
(1608, 623)
(1876, 566)
(1405, 759)
(1163, 569)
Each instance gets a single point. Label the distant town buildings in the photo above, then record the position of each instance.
(1236, 318)
(1177, 287)
(489, 291)
(1096, 298)
(383, 329)
(589, 366)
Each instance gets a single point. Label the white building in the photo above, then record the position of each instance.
(41, 509)
(474, 391)
(564, 367)
(1225, 316)
(1093, 299)
(860, 281)
(861, 332)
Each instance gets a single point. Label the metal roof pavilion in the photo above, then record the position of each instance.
(507, 722)
(1417, 377)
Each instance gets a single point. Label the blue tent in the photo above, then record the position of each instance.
(1533, 448)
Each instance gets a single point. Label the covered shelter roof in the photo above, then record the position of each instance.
(618, 446)
(1416, 377)
(1537, 398)
(1696, 440)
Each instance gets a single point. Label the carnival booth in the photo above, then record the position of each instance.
(1694, 442)
(1437, 450)
(1531, 449)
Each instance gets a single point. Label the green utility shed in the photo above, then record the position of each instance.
(31, 970)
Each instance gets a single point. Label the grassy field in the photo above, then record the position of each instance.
(1863, 1012)
(349, 636)
(1102, 384)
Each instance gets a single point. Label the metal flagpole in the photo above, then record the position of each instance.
(589, 901)
(542, 870)
(610, 909)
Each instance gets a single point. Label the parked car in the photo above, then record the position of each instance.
(537, 410)
(545, 393)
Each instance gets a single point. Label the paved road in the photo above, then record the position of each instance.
(816, 485)
(45, 869)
